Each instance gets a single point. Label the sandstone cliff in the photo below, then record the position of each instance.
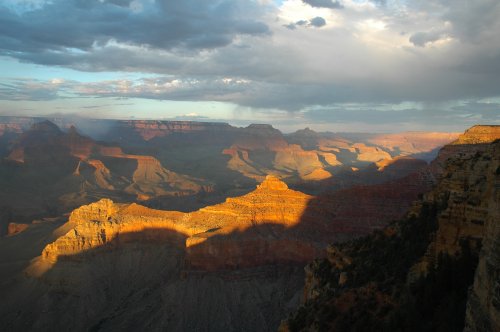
(69, 169)
(139, 131)
(271, 218)
(417, 272)
(286, 225)
(483, 306)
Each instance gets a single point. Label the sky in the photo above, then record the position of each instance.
(337, 65)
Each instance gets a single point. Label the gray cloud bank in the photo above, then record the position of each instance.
(324, 3)
(239, 52)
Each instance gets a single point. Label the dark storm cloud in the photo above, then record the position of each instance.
(468, 21)
(85, 24)
(472, 20)
(324, 4)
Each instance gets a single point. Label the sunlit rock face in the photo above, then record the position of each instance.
(266, 226)
(473, 140)
(479, 134)
(272, 224)
(413, 143)
(448, 243)
(260, 150)
(465, 191)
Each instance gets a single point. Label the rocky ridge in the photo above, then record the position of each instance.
(364, 283)
(77, 168)
(266, 218)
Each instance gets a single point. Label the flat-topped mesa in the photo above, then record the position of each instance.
(149, 129)
(174, 126)
(272, 183)
(479, 134)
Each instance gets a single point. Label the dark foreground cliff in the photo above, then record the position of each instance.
(436, 270)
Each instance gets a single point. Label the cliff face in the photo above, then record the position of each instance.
(251, 230)
(483, 306)
(147, 130)
(70, 169)
(474, 140)
(416, 273)
(269, 225)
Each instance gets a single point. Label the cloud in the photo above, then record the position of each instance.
(317, 22)
(423, 117)
(423, 38)
(244, 52)
(31, 89)
(324, 4)
(65, 25)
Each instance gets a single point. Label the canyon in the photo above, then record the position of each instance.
(64, 163)
(248, 208)
(435, 269)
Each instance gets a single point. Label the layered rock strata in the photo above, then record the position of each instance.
(266, 226)
(403, 277)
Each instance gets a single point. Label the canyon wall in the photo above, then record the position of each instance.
(416, 273)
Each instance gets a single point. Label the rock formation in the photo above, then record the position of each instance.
(215, 235)
(417, 272)
(70, 169)
(234, 259)
(135, 131)
(483, 306)
(15, 228)
(132, 267)
(413, 143)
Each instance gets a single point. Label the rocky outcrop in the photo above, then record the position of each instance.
(403, 277)
(15, 124)
(150, 129)
(252, 230)
(73, 169)
(262, 150)
(483, 306)
(15, 228)
(474, 140)
(370, 153)
(480, 134)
